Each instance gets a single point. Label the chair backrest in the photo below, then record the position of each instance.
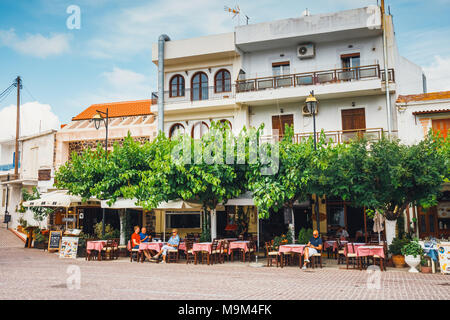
(225, 246)
(215, 243)
(350, 247)
(189, 244)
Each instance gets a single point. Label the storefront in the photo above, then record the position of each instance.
(435, 222)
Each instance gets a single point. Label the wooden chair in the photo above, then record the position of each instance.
(351, 255)
(108, 250)
(225, 249)
(189, 253)
(132, 252)
(216, 253)
(381, 261)
(173, 255)
(316, 260)
(271, 254)
(251, 250)
(340, 252)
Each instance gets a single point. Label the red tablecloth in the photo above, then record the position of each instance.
(95, 245)
(239, 245)
(151, 246)
(202, 246)
(182, 246)
(364, 251)
(298, 248)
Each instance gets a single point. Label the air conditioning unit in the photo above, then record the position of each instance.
(305, 111)
(306, 51)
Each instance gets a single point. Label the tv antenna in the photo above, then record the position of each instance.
(236, 11)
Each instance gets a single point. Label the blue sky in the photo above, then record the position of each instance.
(109, 58)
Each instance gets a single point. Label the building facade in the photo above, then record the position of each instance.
(262, 74)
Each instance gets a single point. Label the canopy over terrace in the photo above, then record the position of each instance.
(62, 199)
(122, 203)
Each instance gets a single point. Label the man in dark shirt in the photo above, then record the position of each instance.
(314, 246)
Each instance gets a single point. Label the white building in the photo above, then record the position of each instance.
(36, 170)
(262, 74)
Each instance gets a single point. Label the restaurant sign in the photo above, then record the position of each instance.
(444, 257)
(69, 247)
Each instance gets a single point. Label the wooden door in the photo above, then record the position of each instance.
(428, 225)
(279, 123)
(353, 119)
(442, 125)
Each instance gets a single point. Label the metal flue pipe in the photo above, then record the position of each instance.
(162, 40)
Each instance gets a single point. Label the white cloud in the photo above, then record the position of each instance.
(35, 45)
(34, 116)
(123, 79)
(438, 74)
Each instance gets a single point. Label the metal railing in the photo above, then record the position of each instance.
(314, 78)
(196, 94)
(338, 136)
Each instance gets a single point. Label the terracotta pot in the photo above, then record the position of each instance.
(399, 260)
(425, 269)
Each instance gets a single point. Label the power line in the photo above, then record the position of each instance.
(6, 93)
(28, 91)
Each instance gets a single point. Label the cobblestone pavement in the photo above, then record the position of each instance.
(37, 274)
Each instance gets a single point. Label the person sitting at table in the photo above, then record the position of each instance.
(135, 238)
(342, 234)
(144, 237)
(314, 246)
(173, 242)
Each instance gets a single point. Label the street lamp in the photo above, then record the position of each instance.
(98, 118)
(311, 105)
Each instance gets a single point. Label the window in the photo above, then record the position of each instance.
(199, 87)
(351, 60)
(222, 81)
(199, 129)
(176, 129)
(183, 220)
(177, 86)
(281, 68)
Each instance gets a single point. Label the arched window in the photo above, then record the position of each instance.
(177, 86)
(227, 122)
(222, 81)
(199, 129)
(176, 129)
(199, 86)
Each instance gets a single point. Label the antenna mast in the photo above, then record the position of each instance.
(236, 11)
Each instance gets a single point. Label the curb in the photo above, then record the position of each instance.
(18, 235)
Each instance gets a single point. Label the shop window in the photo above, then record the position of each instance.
(183, 220)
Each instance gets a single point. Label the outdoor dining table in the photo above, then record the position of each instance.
(295, 248)
(369, 251)
(201, 246)
(333, 244)
(96, 245)
(238, 245)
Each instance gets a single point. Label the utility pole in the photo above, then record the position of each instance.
(16, 155)
(386, 70)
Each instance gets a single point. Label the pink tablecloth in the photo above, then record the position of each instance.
(151, 246)
(333, 243)
(239, 245)
(95, 245)
(355, 246)
(202, 246)
(364, 251)
(298, 248)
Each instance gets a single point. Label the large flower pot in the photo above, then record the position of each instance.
(398, 260)
(413, 262)
(425, 269)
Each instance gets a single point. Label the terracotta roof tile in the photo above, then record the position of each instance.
(117, 109)
(424, 97)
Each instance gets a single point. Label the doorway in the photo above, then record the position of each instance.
(279, 124)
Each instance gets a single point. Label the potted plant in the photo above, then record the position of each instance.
(304, 235)
(424, 265)
(413, 253)
(395, 248)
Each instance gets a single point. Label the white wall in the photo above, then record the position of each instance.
(37, 153)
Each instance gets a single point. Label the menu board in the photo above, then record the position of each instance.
(54, 240)
(69, 247)
(444, 257)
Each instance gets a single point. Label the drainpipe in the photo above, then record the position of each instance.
(162, 40)
(386, 70)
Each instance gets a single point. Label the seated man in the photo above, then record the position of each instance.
(144, 237)
(342, 233)
(314, 246)
(173, 242)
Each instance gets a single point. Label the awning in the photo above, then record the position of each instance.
(245, 199)
(170, 205)
(60, 198)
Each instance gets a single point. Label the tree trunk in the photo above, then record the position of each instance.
(213, 224)
(390, 230)
(123, 223)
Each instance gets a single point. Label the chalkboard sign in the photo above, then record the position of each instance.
(54, 240)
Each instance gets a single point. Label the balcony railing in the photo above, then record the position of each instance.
(339, 136)
(7, 167)
(194, 95)
(314, 78)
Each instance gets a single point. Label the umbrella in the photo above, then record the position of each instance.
(378, 223)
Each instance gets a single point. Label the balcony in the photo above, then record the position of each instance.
(195, 95)
(314, 78)
(339, 136)
(7, 167)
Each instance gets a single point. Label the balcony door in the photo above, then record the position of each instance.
(199, 87)
(353, 120)
(441, 125)
(279, 123)
(350, 62)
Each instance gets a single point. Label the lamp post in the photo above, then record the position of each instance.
(311, 104)
(98, 118)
